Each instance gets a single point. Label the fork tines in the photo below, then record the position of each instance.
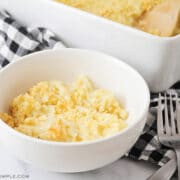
(168, 114)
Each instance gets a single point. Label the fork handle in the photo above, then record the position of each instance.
(177, 150)
(165, 172)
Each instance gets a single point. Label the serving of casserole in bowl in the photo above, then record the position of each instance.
(155, 57)
(52, 123)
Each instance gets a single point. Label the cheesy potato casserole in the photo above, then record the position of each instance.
(133, 13)
(55, 111)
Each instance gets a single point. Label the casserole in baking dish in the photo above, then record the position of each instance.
(156, 58)
(158, 17)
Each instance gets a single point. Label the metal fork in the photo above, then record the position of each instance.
(168, 134)
(169, 129)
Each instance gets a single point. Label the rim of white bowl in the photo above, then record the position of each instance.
(81, 143)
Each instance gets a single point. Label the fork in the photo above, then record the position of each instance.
(168, 131)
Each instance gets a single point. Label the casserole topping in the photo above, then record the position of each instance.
(159, 17)
(55, 111)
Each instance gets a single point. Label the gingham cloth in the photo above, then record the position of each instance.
(17, 40)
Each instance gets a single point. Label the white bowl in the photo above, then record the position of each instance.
(156, 58)
(106, 72)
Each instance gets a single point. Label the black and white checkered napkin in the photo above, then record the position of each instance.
(17, 40)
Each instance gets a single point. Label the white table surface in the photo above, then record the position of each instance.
(123, 169)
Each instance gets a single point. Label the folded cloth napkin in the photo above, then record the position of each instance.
(17, 40)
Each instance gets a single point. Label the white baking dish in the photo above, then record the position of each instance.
(156, 58)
